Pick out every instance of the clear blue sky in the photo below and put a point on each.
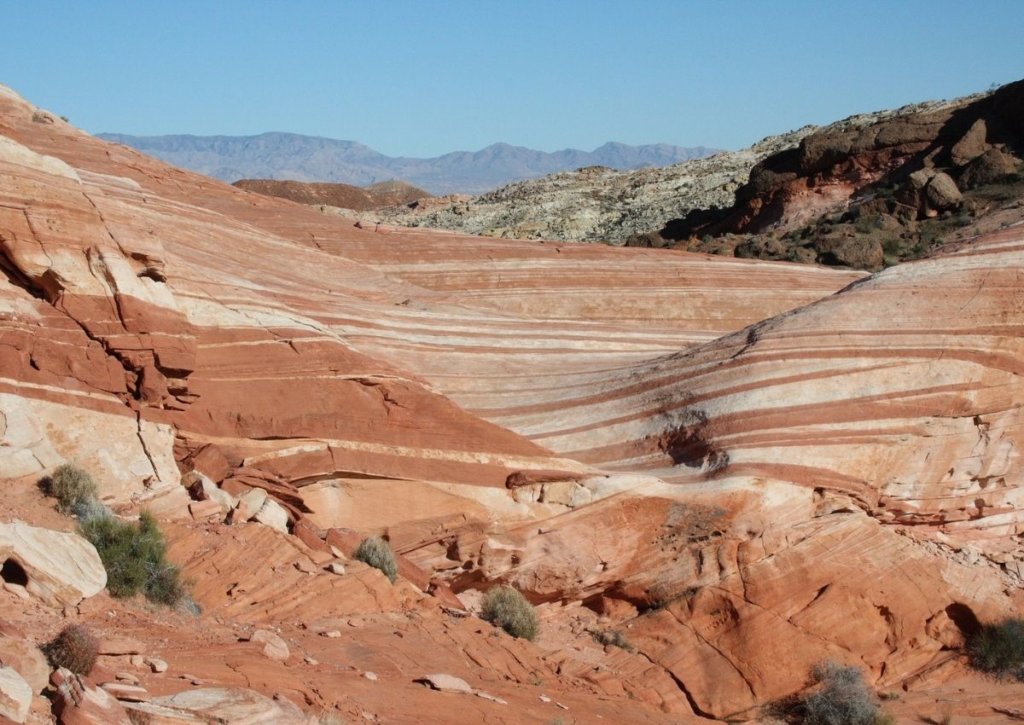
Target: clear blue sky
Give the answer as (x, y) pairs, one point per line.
(423, 78)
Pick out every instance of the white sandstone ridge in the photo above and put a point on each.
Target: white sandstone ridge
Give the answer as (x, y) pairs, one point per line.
(598, 204)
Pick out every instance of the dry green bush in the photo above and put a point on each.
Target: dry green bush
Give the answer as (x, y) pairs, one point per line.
(842, 698)
(74, 648)
(612, 637)
(135, 557)
(73, 488)
(508, 609)
(998, 649)
(377, 553)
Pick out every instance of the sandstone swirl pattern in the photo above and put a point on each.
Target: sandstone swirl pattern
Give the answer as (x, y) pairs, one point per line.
(725, 456)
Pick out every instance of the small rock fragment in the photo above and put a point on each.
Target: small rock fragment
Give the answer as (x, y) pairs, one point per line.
(157, 665)
(445, 683)
(124, 691)
(274, 647)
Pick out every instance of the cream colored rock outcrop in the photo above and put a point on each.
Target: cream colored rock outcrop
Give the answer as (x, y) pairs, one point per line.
(61, 568)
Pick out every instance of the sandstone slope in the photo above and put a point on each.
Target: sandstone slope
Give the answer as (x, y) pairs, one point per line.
(721, 459)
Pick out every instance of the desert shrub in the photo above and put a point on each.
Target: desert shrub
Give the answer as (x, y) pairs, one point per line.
(74, 648)
(999, 649)
(508, 609)
(842, 698)
(73, 488)
(134, 555)
(612, 637)
(377, 553)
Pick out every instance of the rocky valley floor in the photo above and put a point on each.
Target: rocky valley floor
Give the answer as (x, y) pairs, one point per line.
(708, 474)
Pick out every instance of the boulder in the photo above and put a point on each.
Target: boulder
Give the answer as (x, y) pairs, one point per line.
(445, 683)
(58, 567)
(220, 704)
(972, 145)
(15, 695)
(202, 488)
(25, 657)
(273, 514)
(920, 178)
(78, 703)
(528, 478)
(274, 647)
(988, 168)
(252, 500)
(942, 192)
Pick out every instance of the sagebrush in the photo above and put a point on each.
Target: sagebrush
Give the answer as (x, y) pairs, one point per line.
(377, 553)
(613, 638)
(74, 647)
(135, 557)
(842, 698)
(510, 610)
(73, 488)
(998, 649)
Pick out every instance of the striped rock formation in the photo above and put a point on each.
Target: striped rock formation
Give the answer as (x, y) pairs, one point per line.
(722, 458)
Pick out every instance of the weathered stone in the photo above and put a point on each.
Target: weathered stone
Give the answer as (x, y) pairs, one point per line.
(252, 501)
(206, 510)
(202, 488)
(59, 568)
(24, 657)
(221, 705)
(78, 703)
(971, 145)
(15, 695)
(445, 683)
(272, 514)
(126, 692)
(942, 192)
(274, 647)
(156, 664)
(988, 168)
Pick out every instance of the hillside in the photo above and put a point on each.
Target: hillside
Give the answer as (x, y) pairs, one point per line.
(603, 205)
(346, 196)
(592, 204)
(707, 474)
(871, 192)
(310, 158)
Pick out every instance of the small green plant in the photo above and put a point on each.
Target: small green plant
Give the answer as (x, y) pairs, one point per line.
(377, 553)
(508, 609)
(842, 698)
(999, 649)
(73, 488)
(74, 648)
(135, 557)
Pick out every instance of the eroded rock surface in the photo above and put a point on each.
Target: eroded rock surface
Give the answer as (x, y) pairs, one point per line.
(730, 462)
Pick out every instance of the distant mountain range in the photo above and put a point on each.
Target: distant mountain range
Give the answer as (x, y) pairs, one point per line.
(311, 158)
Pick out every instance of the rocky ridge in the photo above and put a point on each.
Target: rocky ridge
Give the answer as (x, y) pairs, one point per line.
(732, 463)
(868, 195)
(359, 198)
(603, 205)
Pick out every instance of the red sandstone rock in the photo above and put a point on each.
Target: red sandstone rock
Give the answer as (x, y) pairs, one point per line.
(834, 481)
